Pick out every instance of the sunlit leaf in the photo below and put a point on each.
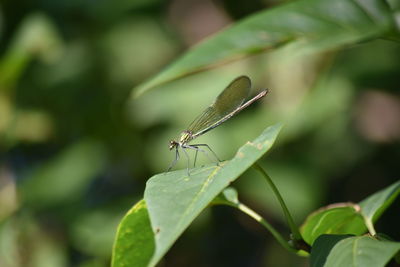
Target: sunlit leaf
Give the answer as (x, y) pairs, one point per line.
(175, 199)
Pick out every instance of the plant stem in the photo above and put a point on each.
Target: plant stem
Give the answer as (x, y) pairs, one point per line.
(289, 220)
(263, 222)
(370, 227)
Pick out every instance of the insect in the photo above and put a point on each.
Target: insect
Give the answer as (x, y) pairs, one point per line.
(227, 104)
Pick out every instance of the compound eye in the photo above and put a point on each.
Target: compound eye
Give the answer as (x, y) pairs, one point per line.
(172, 144)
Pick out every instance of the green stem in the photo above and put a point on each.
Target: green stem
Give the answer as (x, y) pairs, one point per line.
(263, 222)
(289, 220)
(370, 227)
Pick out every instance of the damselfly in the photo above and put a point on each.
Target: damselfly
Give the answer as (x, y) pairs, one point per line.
(228, 103)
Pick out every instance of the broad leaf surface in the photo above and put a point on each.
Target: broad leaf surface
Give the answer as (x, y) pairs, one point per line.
(174, 199)
(304, 26)
(359, 251)
(321, 248)
(336, 219)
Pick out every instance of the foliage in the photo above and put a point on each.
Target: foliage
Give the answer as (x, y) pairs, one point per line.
(173, 200)
(77, 144)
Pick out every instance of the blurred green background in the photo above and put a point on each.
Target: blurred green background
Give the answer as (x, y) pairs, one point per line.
(76, 148)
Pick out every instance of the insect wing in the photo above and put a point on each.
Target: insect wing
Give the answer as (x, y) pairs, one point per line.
(232, 96)
(227, 101)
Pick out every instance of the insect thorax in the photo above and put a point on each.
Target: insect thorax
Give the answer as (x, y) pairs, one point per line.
(186, 137)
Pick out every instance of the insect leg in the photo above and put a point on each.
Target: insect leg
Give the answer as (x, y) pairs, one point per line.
(209, 148)
(188, 159)
(175, 160)
(195, 158)
(195, 147)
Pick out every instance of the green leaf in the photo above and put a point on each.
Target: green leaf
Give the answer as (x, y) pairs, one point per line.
(134, 244)
(361, 251)
(321, 248)
(305, 26)
(335, 219)
(349, 218)
(174, 199)
(227, 197)
(373, 206)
